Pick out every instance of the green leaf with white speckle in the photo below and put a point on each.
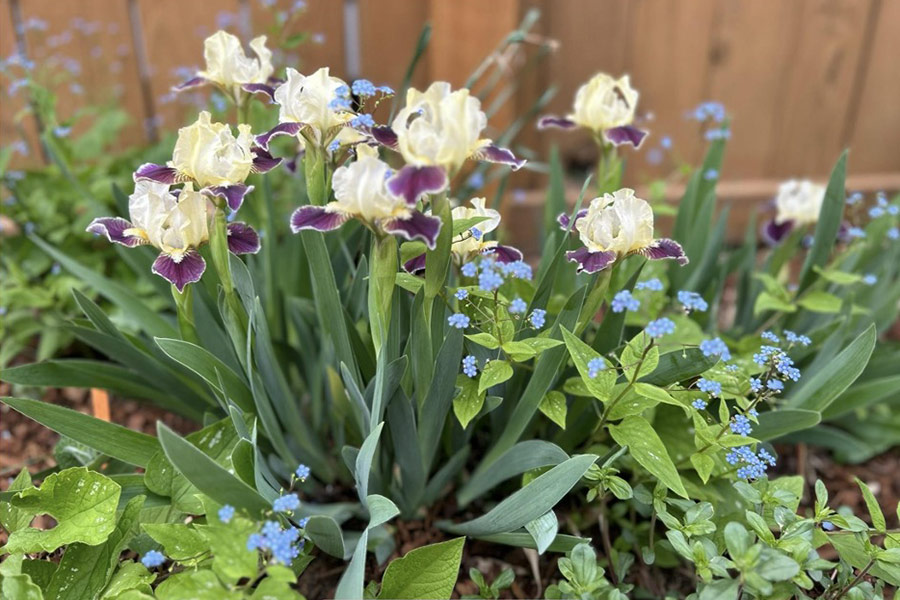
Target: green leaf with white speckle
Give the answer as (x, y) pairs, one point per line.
(648, 450)
(83, 503)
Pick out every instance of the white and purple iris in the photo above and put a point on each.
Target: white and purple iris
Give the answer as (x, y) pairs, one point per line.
(210, 155)
(797, 204)
(606, 106)
(231, 70)
(615, 226)
(435, 133)
(177, 223)
(361, 191)
(472, 243)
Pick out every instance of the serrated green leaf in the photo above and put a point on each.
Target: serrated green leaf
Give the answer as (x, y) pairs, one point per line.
(648, 450)
(429, 572)
(494, 373)
(83, 503)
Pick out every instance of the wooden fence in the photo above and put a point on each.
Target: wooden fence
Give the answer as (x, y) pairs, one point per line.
(801, 79)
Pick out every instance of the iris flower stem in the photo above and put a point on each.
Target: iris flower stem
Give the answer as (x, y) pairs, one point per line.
(382, 276)
(237, 317)
(609, 172)
(437, 261)
(184, 306)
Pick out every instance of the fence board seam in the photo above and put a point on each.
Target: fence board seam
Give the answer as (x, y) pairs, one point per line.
(140, 57)
(862, 72)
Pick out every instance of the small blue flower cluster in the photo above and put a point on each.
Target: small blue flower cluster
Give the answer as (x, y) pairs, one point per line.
(362, 121)
(363, 87)
(769, 336)
(470, 366)
(717, 134)
(226, 513)
(654, 285)
(302, 472)
(491, 273)
(692, 301)
(709, 110)
(595, 365)
(461, 294)
(537, 318)
(287, 503)
(856, 232)
(699, 403)
(713, 388)
(458, 320)
(776, 385)
(793, 338)
(894, 233)
(755, 385)
(282, 543)
(752, 466)
(623, 301)
(660, 327)
(870, 279)
(153, 559)
(740, 425)
(715, 347)
(517, 306)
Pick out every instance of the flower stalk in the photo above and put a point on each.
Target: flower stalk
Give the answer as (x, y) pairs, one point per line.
(184, 308)
(382, 276)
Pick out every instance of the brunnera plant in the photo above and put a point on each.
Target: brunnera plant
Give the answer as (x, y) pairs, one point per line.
(362, 333)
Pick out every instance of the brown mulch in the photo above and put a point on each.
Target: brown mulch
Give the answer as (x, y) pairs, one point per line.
(25, 443)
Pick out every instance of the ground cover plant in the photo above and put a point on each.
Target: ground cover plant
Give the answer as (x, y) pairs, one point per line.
(362, 349)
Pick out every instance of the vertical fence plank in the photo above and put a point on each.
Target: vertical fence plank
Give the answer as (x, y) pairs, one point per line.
(817, 91)
(875, 137)
(324, 20)
(668, 45)
(174, 31)
(591, 39)
(748, 81)
(16, 124)
(89, 41)
(389, 30)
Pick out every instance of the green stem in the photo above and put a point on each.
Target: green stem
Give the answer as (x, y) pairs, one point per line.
(437, 261)
(184, 305)
(236, 320)
(609, 168)
(382, 276)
